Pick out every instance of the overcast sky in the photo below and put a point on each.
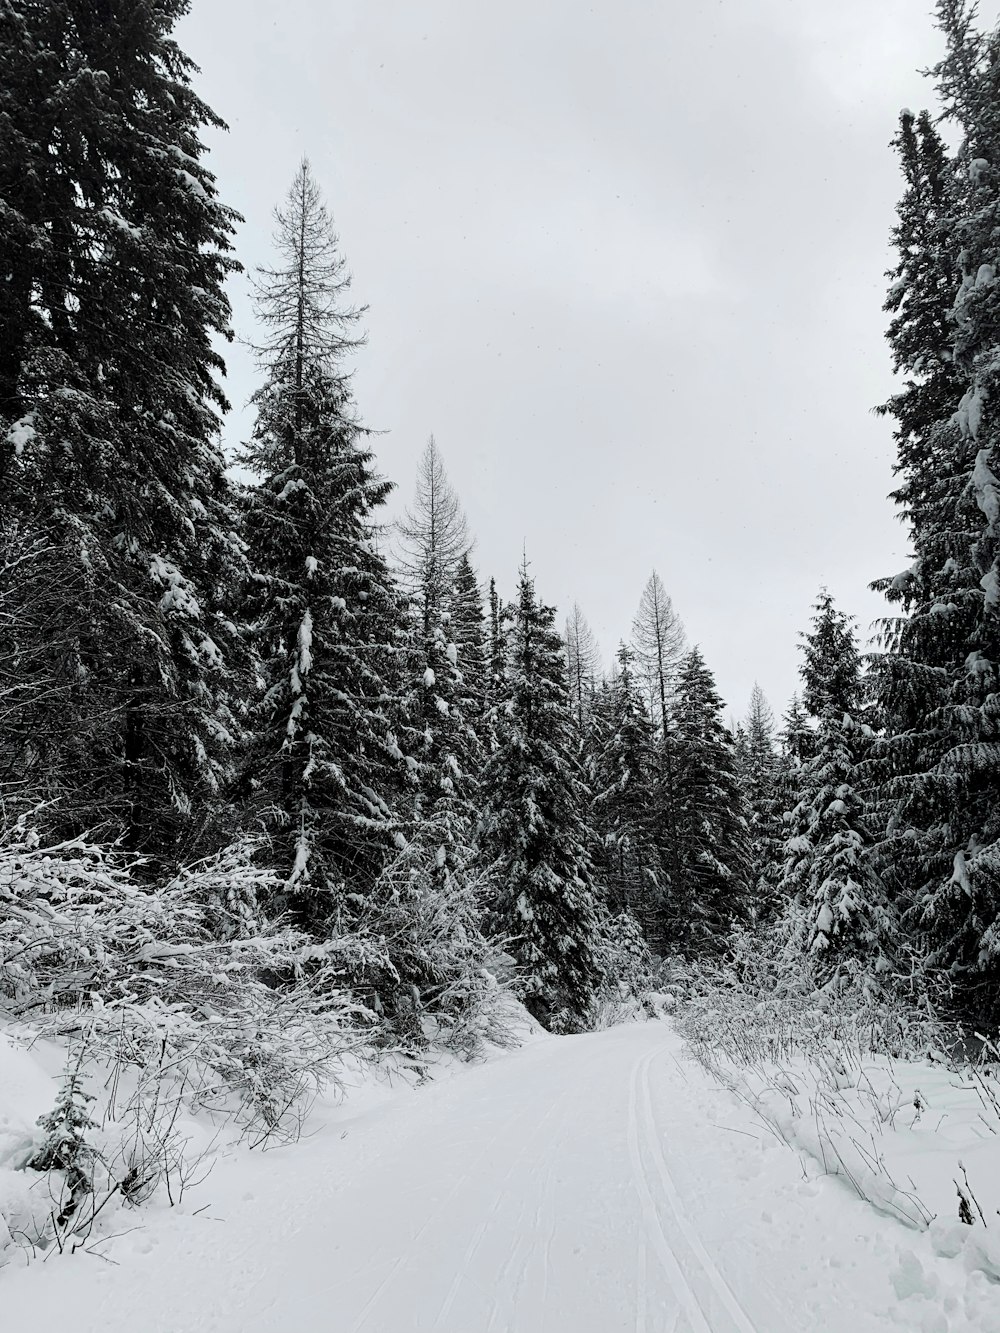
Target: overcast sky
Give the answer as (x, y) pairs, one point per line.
(625, 261)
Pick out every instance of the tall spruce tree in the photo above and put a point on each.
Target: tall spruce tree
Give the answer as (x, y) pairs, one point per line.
(534, 838)
(936, 682)
(624, 804)
(758, 766)
(711, 892)
(115, 251)
(838, 911)
(438, 709)
(469, 636)
(321, 606)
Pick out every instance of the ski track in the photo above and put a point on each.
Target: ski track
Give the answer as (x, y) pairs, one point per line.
(682, 1289)
(741, 1322)
(555, 1189)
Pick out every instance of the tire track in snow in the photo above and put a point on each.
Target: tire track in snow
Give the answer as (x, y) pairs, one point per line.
(682, 1289)
(740, 1319)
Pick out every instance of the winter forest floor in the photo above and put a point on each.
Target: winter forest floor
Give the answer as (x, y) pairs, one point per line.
(574, 1185)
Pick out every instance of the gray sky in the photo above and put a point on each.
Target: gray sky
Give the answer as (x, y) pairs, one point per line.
(625, 261)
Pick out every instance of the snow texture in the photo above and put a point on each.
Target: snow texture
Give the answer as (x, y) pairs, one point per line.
(583, 1185)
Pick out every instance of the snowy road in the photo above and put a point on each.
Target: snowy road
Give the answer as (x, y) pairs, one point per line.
(583, 1185)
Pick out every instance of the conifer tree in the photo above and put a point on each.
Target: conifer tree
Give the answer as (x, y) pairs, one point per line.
(797, 737)
(758, 766)
(711, 892)
(322, 609)
(468, 626)
(838, 910)
(534, 839)
(658, 641)
(496, 646)
(115, 251)
(583, 663)
(935, 685)
(434, 537)
(625, 783)
(438, 709)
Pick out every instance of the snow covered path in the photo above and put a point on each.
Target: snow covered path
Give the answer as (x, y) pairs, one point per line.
(580, 1185)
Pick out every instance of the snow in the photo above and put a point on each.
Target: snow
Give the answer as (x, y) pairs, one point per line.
(178, 596)
(21, 433)
(985, 487)
(990, 584)
(305, 638)
(586, 1184)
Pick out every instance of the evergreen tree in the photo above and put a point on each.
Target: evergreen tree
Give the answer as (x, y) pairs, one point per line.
(797, 738)
(625, 783)
(935, 685)
(321, 605)
(469, 631)
(831, 678)
(116, 249)
(758, 767)
(534, 838)
(711, 892)
(838, 909)
(496, 660)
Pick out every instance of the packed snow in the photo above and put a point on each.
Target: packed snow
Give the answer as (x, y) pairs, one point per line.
(587, 1184)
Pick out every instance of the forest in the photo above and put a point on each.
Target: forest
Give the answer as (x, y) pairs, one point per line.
(280, 778)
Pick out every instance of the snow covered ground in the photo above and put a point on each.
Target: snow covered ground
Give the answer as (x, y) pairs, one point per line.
(576, 1185)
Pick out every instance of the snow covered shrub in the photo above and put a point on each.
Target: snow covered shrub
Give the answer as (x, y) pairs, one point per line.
(763, 1002)
(815, 1065)
(252, 1022)
(626, 966)
(432, 976)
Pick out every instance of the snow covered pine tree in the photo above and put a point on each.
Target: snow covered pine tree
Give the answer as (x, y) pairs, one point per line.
(115, 251)
(322, 611)
(534, 839)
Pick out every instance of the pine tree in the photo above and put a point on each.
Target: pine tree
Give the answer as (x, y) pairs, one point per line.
(758, 767)
(658, 641)
(321, 606)
(624, 799)
(583, 664)
(831, 679)
(935, 685)
(838, 910)
(711, 892)
(116, 249)
(468, 626)
(435, 545)
(496, 647)
(534, 839)
(434, 538)
(797, 737)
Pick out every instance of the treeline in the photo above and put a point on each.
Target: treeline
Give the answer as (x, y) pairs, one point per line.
(331, 727)
(199, 675)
